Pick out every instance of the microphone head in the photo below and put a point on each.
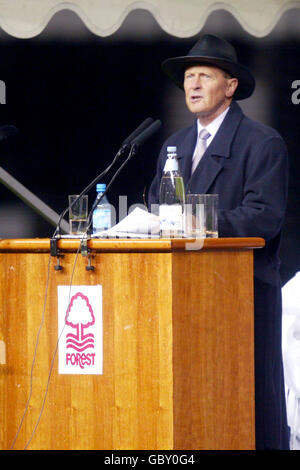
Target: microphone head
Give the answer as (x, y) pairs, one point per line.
(147, 133)
(137, 131)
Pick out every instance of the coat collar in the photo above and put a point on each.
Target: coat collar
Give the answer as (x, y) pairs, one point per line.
(185, 152)
(221, 144)
(209, 166)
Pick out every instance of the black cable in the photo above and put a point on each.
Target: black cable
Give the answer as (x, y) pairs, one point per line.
(98, 200)
(34, 358)
(53, 359)
(85, 190)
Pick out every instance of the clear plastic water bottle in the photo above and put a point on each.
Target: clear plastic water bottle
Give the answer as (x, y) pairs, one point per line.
(102, 212)
(171, 198)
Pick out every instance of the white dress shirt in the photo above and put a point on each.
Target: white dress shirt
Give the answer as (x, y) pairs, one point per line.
(212, 127)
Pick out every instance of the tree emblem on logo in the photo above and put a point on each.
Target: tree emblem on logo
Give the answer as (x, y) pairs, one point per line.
(80, 316)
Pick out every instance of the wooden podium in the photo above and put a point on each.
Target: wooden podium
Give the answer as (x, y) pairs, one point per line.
(178, 346)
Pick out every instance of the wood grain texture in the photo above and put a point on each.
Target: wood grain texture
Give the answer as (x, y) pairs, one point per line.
(130, 405)
(38, 245)
(213, 353)
(178, 351)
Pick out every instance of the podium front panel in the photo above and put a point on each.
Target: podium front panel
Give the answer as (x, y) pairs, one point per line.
(178, 361)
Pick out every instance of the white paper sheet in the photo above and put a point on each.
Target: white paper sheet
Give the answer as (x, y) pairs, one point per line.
(138, 224)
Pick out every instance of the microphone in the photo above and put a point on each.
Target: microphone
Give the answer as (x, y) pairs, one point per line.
(136, 142)
(126, 143)
(146, 134)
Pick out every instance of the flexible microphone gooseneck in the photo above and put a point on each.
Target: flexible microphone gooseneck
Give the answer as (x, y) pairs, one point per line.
(128, 141)
(126, 145)
(135, 144)
(146, 134)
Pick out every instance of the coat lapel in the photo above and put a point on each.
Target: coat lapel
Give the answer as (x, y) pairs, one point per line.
(185, 152)
(213, 160)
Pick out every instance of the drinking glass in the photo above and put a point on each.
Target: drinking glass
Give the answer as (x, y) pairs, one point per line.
(78, 214)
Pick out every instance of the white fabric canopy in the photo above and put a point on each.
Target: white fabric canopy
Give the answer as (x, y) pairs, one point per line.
(181, 18)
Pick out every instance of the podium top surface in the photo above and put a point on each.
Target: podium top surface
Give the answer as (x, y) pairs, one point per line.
(42, 245)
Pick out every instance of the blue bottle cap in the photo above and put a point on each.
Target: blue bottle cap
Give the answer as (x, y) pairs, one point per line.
(101, 187)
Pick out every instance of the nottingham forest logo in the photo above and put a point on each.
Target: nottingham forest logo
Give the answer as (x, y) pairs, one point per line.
(80, 316)
(80, 329)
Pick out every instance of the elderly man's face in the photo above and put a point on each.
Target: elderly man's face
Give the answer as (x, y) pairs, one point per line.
(208, 91)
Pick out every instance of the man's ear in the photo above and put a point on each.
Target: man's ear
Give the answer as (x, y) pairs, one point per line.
(231, 87)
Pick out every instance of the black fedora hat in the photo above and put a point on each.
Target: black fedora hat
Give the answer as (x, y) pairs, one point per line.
(214, 51)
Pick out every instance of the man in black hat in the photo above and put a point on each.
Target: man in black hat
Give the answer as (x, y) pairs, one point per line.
(246, 163)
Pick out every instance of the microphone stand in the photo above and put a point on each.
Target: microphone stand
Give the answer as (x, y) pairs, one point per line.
(146, 133)
(126, 144)
(136, 142)
(54, 251)
(133, 151)
(85, 190)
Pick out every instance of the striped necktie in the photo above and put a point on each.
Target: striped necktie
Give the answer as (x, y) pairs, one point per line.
(200, 148)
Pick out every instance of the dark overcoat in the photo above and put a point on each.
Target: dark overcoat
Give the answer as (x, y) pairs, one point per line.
(247, 165)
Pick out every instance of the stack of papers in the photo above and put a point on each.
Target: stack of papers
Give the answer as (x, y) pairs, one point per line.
(138, 224)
